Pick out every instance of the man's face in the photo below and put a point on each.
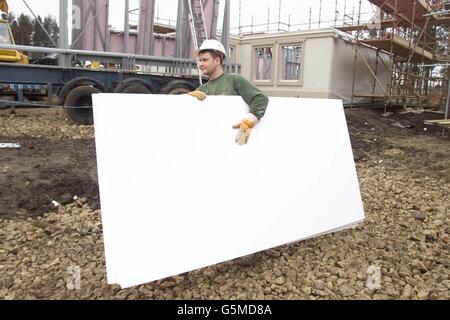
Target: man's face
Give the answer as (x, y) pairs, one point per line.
(208, 65)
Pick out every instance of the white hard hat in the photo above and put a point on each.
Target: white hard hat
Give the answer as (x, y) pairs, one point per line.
(213, 45)
(87, 63)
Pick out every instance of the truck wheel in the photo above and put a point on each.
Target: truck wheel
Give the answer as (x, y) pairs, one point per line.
(178, 87)
(78, 104)
(134, 85)
(79, 81)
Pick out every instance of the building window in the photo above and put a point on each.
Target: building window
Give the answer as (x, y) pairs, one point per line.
(264, 63)
(291, 62)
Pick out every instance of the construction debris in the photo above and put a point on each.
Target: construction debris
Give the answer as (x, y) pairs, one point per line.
(399, 125)
(412, 110)
(442, 123)
(10, 146)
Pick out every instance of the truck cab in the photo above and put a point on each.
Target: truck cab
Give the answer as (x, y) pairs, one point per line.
(6, 37)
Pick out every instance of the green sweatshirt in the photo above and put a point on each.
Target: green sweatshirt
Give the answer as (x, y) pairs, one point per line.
(231, 84)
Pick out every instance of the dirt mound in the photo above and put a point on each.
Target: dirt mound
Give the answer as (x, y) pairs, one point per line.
(42, 171)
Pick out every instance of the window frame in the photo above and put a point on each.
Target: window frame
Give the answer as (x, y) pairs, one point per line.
(255, 67)
(285, 82)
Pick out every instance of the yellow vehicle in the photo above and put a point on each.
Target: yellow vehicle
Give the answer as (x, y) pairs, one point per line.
(6, 37)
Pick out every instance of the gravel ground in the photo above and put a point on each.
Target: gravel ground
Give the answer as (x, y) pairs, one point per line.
(405, 183)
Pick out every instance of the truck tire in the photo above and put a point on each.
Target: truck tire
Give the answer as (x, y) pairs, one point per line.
(78, 104)
(80, 81)
(178, 87)
(134, 85)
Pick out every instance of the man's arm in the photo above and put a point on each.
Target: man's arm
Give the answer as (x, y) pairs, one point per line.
(257, 102)
(255, 99)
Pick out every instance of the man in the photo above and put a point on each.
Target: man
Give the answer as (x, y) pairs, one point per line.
(212, 55)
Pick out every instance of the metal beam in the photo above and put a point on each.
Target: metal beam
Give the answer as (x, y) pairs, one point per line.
(183, 34)
(146, 25)
(78, 29)
(126, 37)
(91, 28)
(211, 12)
(64, 60)
(226, 29)
(96, 54)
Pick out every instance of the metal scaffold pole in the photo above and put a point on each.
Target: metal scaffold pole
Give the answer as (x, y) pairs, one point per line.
(226, 29)
(64, 60)
(126, 27)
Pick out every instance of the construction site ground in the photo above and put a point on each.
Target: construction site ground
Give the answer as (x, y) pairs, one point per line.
(404, 172)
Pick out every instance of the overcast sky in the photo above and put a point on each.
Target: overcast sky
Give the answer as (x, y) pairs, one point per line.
(299, 10)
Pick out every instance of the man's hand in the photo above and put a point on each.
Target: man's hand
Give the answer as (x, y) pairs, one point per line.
(200, 95)
(245, 126)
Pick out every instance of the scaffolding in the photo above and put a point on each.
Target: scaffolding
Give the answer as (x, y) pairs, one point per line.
(415, 35)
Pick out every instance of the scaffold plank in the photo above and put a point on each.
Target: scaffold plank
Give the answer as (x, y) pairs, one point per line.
(384, 24)
(440, 123)
(401, 48)
(405, 8)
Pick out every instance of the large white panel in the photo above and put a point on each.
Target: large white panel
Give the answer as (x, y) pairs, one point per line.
(177, 193)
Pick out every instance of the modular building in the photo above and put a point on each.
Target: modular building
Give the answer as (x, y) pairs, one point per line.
(313, 64)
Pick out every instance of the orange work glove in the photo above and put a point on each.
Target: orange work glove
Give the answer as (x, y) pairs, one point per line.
(4, 6)
(245, 126)
(200, 95)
